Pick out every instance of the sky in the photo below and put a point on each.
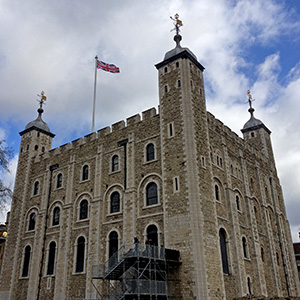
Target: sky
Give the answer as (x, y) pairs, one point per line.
(51, 46)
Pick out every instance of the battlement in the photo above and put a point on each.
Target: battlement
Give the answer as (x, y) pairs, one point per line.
(102, 133)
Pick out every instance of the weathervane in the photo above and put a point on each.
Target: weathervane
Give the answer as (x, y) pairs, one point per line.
(250, 100)
(43, 99)
(177, 23)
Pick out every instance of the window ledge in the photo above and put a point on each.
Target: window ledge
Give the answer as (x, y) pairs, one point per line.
(150, 206)
(150, 161)
(114, 172)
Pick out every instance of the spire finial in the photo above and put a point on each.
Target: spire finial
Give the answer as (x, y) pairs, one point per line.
(41, 101)
(250, 100)
(177, 23)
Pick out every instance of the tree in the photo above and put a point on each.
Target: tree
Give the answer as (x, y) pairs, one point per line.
(5, 191)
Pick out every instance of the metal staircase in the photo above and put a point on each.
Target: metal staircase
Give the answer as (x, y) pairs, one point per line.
(137, 271)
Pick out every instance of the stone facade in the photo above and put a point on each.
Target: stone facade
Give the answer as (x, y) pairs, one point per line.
(204, 191)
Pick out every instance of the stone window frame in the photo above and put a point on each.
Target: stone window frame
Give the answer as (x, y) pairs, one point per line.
(23, 262)
(171, 129)
(245, 248)
(80, 208)
(145, 194)
(88, 173)
(54, 206)
(118, 169)
(146, 161)
(176, 184)
(107, 241)
(59, 181)
(110, 212)
(227, 245)
(36, 188)
(75, 272)
(159, 232)
(28, 214)
(47, 259)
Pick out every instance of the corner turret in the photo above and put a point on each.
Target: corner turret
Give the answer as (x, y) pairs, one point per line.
(37, 137)
(256, 132)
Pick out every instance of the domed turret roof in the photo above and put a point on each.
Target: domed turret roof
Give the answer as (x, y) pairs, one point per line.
(254, 123)
(38, 123)
(178, 49)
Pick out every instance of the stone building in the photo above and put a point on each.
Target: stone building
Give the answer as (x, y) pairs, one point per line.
(178, 179)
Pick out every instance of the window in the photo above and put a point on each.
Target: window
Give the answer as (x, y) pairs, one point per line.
(85, 172)
(150, 154)
(179, 83)
(51, 258)
(31, 224)
(113, 244)
(59, 181)
(249, 285)
(115, 202)
(83, 212)
(170, 130)
(166, 88)
(36, 188)
(262, 255)
(26, 261)
(245, 248)
(80, 255)
(177, 64)
(237, 200)
(166, 69)
(115, 163)
(56, 215)
(223, 246)
(152, 235)
(175, 184)
(151, 194)
(217, 192)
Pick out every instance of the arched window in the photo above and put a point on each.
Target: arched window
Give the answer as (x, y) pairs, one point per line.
(80, 255)
(115, 202)
(36, 188)
(115, 163)
(31, 223)
(83, 210)
(262, 255)
(224, 255)
(51, 258)
(151, 194)
(150, 152)
(113, 243)
(249, 285)
(85, 172)
(245, 248)
(59, 181)
(237, 200)
(217, 192)
(152, 235)
(26, 261)
(56, 215)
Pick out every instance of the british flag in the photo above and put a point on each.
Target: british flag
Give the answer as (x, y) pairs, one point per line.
(107, 67)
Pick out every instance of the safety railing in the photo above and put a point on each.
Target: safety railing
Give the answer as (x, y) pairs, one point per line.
(128, 251)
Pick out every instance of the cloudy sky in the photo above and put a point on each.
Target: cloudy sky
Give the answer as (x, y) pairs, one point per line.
(51, 45)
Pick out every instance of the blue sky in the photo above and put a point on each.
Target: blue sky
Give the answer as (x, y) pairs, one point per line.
(51, 45)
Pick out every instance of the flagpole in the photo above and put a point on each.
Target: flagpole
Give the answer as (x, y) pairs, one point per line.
(94, 103)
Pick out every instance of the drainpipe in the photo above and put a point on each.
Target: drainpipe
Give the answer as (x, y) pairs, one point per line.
(124, 144)
(51, 168)
(280, 238)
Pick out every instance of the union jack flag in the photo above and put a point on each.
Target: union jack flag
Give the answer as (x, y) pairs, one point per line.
(107, 67)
